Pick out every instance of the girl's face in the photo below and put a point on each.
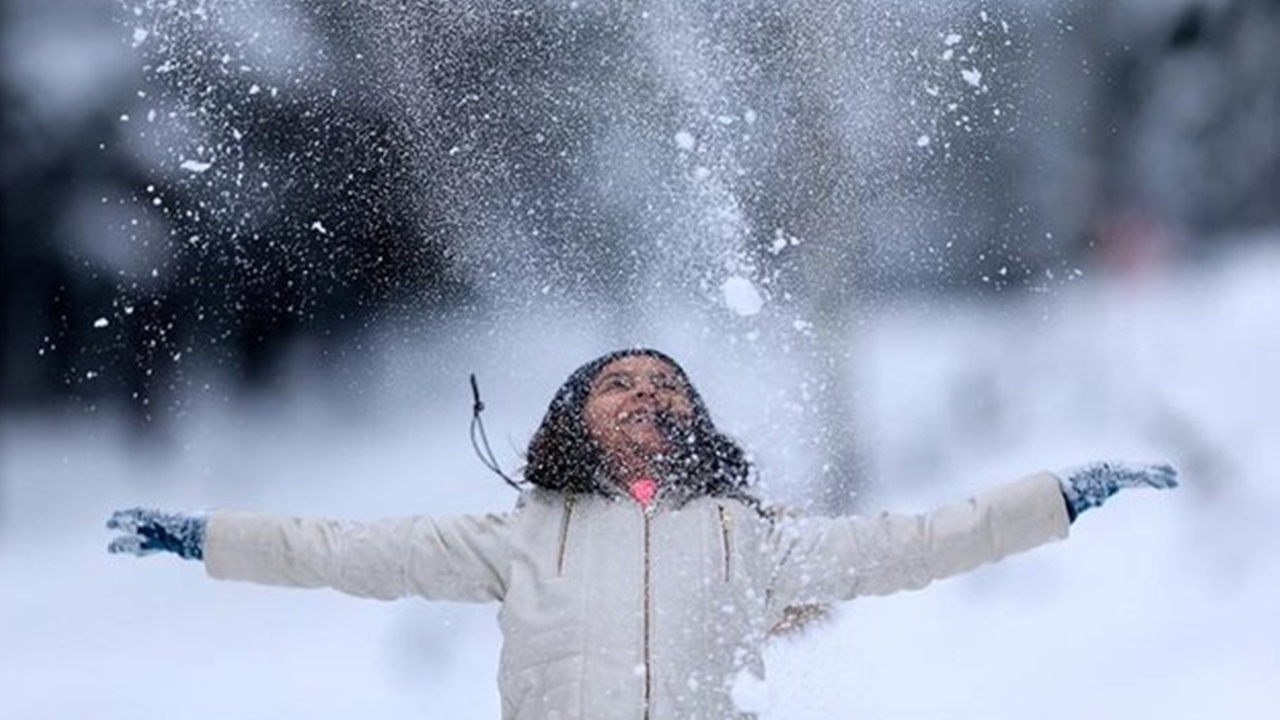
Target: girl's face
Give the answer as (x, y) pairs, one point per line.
(629, 403)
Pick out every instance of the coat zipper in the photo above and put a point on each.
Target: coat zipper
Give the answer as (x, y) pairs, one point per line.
(564, 534)
(726, 538)
(648, 670)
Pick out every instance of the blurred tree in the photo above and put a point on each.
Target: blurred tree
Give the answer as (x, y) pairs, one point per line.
(1186, 147)
(218, 224)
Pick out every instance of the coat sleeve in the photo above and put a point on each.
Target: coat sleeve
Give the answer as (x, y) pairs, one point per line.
(460, 558)
(819, 560)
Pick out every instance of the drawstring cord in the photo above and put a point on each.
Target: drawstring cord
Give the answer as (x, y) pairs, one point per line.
(477, 427)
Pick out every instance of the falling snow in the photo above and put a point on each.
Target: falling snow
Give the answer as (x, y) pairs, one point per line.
(409, 191)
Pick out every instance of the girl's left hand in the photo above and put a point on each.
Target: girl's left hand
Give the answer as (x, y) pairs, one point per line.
(1089, 485)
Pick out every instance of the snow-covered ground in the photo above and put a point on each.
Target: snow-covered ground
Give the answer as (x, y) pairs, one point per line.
(1159, 605)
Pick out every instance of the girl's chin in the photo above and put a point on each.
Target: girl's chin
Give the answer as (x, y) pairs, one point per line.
(652, 442)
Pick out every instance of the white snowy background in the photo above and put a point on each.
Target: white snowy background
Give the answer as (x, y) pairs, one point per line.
(1159, 605)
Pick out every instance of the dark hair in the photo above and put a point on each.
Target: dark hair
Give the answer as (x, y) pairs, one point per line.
(563, 457)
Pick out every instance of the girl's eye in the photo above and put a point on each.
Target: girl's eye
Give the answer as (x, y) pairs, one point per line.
(617, 382)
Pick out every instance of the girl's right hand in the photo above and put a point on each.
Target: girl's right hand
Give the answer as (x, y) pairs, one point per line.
(151, 531)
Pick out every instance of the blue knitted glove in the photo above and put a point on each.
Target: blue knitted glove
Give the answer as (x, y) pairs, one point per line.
(1089, 485)
(152, 531)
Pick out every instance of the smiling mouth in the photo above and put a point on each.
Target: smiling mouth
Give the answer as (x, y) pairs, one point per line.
(638, 417)
(665, 422)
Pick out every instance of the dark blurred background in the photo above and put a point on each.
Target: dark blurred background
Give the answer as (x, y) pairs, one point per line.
(190, 189)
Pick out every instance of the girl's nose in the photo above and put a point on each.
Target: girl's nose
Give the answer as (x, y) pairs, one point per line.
(646, 386)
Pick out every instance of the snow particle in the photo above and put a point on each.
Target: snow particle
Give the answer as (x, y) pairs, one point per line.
(923, 141)
(973, 77)
(741, 296)
(195, 166)
(101, 323)
(684, 140)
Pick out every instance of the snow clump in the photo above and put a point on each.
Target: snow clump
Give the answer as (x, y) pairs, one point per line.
(741, 296)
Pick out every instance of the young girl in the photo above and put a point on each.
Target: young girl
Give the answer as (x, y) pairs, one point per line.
(638, 575)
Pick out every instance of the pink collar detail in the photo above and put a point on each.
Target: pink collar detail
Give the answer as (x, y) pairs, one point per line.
(643, 490)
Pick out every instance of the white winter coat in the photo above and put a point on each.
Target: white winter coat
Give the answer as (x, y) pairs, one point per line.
(611, 611)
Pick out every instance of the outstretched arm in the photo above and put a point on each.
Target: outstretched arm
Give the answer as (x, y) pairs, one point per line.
(459, 558)
(828, 559)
